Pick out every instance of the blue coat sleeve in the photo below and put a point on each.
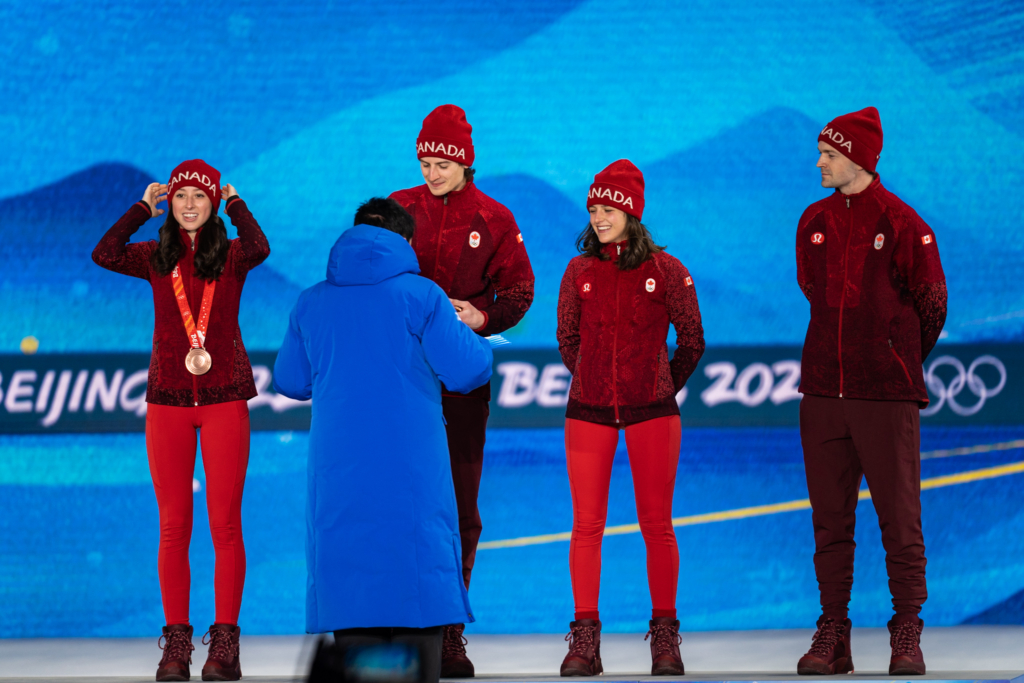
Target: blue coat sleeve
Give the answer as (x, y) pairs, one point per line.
(460, 357)
(293, 375)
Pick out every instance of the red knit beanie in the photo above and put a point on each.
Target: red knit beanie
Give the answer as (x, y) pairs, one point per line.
(857, 136)
(199, 174)
(446, 134)
(620, 185)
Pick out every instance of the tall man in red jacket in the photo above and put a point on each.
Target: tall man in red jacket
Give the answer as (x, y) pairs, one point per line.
(870, 268)
(470, 246)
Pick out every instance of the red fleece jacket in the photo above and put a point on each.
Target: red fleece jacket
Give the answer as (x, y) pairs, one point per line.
(612, 328)
(470, 245)
(230, 377)
(870, 268)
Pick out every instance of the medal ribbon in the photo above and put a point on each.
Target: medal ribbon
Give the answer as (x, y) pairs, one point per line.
(196, 334)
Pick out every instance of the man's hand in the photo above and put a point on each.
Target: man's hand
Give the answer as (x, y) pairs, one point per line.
(156, 192)
(469, 314)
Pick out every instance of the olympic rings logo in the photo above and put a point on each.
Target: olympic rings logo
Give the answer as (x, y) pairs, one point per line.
(964, 378)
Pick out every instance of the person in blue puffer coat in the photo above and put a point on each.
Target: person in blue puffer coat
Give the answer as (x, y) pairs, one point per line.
(371, 346)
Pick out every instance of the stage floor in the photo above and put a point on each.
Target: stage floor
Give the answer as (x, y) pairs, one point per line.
(958, 653)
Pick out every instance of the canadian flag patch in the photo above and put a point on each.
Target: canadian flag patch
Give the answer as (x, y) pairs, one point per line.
(474, 239)
(817, 238)
(926, 239)
(879, 240)
(519, 238)
(650, 284)
(689, 281)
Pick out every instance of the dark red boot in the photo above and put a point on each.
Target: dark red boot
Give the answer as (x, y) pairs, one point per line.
(176, 642)
(905, 641)
(454, 660)
(830, 652)
(665, 640)
(222, 663)
(584, 658)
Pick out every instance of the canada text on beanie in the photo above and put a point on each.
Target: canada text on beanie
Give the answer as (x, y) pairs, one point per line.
(446, 134)
(857, 136)
(620, 185)
(199, 174)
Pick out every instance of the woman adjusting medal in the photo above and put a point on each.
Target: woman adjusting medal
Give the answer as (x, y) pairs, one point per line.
(199, 379)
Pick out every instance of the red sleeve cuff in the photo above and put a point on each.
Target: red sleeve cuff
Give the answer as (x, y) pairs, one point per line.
(487, 319)
(231, 201)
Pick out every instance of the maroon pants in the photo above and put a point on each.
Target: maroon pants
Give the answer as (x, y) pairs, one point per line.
(466, 424)
(844, 440)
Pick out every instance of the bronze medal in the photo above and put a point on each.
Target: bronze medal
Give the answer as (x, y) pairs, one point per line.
(198, 361)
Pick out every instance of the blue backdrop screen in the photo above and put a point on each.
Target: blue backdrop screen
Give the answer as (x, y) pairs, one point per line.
(310, 108)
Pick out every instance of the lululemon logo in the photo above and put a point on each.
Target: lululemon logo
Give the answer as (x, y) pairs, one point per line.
(689, 281)
(586, 287)
(879, 240)
(926, 239)
(650, 284)
(817, 238)
(474, 239)
(449, 151)
(838, 139)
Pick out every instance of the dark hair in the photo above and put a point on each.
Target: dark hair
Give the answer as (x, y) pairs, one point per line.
(640, 245)
(211, 248)
(470, 172)
(387, 214)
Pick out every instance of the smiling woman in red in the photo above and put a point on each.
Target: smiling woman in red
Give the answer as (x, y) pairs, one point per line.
(199, 378)
(615, 306)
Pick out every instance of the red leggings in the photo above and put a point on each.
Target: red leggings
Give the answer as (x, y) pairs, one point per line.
(653, 448)
(171, 444)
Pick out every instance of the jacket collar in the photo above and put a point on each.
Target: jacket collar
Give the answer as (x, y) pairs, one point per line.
(612, 249)
(861, 197)
(468, 190)
(186, 241)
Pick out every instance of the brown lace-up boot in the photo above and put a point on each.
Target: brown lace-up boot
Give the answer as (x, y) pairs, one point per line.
(665, 640)
(222, 663)
(905, 641)
(584, 658)
(830, 652)
(176, 642)
(454, 661)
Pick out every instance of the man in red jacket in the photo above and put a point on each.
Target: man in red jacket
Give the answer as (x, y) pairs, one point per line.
(870, 268)
(470, 246)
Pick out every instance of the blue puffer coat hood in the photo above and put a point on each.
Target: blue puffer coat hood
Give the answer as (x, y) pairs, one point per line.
(367, 255)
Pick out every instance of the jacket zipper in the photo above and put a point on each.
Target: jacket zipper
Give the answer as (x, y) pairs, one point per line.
(842, 301)
(615, 341)
(192, 291)
(440, 232)
(902, 364)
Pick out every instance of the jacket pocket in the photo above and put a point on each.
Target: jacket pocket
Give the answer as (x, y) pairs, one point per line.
(900, 361)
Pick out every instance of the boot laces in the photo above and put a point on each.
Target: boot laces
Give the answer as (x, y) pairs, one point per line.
(177, 645)
(905, 639)
(581, 640)
(826, 637)
(665, 638)
(454, 643)
(223, 647)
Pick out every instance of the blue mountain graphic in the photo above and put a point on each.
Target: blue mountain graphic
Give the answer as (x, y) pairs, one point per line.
(68, 302)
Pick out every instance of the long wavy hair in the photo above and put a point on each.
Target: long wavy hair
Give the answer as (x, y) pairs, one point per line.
(211, 248)
(640, 245)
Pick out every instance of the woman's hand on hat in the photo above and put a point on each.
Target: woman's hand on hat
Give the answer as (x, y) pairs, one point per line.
(227, 191)
(155, 193)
